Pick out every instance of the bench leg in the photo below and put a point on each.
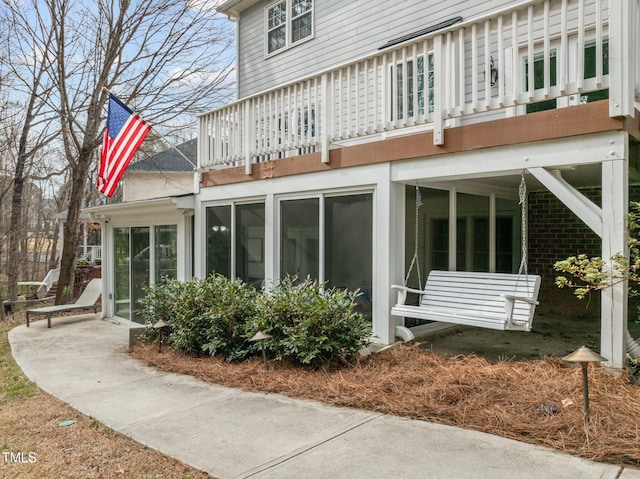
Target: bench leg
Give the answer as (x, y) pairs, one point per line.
(27, 319)
(48, 321)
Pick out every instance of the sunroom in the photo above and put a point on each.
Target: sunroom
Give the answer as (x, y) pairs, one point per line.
(143, 242)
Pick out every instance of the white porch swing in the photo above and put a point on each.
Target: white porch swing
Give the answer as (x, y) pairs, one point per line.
(500, 301)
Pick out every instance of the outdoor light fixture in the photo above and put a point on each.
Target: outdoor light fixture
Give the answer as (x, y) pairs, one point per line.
(260, 336)
(161, 326)
(584, 356)
(493, 72)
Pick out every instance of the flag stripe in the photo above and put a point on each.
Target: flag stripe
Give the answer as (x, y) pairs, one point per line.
(123, 155)
(120, 146)
(126, 143)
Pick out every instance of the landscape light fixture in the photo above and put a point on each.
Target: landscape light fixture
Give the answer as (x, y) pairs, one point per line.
(161, 326)
(584, 356)
(260, 336)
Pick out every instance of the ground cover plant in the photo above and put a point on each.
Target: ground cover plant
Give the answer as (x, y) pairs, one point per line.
(36, 446)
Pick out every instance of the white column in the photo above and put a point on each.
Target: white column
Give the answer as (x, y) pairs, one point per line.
(199, 232)
(106, 240)
(615, 200)
(388, 231)
(61, 223)
(271, 228)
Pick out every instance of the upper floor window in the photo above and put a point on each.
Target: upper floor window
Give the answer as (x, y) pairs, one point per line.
(288, 22)
(538, 79)
(589, 71)
(416, 77)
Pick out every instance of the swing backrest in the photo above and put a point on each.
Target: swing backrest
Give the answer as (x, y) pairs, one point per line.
(480, 295)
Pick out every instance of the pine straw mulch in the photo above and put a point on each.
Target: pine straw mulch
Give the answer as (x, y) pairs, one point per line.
(534, 401)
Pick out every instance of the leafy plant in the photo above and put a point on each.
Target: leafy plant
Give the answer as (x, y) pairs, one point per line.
(594, 274)
(307, 322)
(310, 323)
(208, 316)
(160, 304)
(587, 274)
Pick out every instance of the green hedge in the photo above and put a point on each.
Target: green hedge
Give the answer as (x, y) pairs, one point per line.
(307, 322)
(311, 324)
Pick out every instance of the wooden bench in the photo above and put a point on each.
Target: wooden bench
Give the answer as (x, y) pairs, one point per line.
(485, 300)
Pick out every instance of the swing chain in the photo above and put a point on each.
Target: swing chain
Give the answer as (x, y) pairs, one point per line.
(415, 261)
(522, 193)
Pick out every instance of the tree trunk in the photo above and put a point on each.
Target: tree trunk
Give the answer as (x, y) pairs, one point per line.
(15, 228)
(72, 225)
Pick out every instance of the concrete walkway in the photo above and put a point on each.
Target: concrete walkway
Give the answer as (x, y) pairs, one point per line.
(232, 433)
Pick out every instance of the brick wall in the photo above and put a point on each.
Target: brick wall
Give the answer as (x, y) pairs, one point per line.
(555, 233)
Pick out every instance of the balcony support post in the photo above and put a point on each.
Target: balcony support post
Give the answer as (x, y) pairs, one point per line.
(614, 309)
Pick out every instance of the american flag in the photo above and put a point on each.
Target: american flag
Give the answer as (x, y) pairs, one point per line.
(124, 134)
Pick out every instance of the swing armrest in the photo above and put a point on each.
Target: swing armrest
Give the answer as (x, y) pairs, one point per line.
(403, 290)
(512, 298)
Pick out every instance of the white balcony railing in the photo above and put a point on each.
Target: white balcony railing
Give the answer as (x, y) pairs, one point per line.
(537, 50)
(90, 252)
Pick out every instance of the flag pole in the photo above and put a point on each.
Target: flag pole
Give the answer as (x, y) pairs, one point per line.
(195, 167)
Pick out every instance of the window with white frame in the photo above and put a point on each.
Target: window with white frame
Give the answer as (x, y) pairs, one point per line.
(538, 79)
(330, 238)
(235, 241)
(416, 78)
(288, 23)
(588, 71)
(590, 55)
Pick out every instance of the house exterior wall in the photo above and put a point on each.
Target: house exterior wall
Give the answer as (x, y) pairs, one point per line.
(554, 234)
(332, 113)
(143, 186)
(342, 31)
(387, 181)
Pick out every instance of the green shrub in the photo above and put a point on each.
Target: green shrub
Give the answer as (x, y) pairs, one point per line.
(231, 315)
(215, 315)
(311, 324)
(159, 302)
(208, 316)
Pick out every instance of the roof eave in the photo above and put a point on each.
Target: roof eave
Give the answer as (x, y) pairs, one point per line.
(233, 8)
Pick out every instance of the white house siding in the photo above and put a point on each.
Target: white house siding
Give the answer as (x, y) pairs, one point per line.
(142, 186)
(342, 31)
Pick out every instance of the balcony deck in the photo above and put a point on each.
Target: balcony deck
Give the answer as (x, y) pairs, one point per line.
(547, 125)
(469, 72)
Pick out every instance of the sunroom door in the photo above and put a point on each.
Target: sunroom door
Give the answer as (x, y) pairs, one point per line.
(142, 256)
(121, 261)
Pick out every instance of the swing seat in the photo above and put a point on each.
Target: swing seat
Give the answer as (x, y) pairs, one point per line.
(485, 300)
